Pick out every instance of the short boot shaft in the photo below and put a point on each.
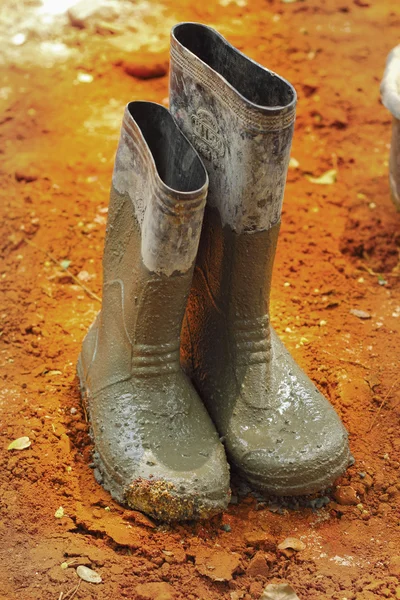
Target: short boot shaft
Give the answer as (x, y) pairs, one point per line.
(279, 431)
(156, 448)
(156, 209)
(217, 93)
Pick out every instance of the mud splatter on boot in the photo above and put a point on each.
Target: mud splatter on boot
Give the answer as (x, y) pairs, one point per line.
(157, 449)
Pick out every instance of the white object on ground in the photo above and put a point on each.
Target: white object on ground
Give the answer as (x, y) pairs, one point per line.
(88, 574)
(390, 92)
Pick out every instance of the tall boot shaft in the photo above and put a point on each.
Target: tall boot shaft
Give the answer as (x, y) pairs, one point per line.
(240, 117)
(157, 201)
(279, 431)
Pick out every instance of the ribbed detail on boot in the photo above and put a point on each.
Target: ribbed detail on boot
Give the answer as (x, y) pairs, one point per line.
(252, 339)
(151, 361)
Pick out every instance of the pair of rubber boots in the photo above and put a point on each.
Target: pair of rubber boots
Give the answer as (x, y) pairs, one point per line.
(187, 279)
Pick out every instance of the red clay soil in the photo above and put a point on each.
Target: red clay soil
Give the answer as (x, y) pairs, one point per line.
(338, 252)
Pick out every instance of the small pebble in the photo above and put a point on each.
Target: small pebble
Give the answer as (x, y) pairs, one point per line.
(346, 495)
(292, 543)
(361, 314)
(85, 78)
(18, 39)
(394, 566)
(226, 527)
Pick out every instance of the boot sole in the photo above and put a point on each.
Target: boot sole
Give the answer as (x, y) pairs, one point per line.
(301, 489)
(158, 499)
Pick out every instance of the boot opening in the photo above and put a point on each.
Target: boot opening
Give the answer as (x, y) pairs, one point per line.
(252, 81)
(177, 162)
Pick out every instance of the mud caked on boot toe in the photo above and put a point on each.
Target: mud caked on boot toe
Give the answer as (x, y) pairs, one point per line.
(279, 431)
(155, 445)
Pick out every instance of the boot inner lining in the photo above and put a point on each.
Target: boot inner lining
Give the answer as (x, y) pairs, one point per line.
(253, 82)
(177, 163)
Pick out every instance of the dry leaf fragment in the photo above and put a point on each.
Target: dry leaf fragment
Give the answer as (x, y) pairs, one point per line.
(88, 574)
(292, 543)
(59, 513)
(20, 444)
(279, 591)
(327, 178)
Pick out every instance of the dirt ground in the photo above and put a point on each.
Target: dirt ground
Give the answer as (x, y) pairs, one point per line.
(62, 92)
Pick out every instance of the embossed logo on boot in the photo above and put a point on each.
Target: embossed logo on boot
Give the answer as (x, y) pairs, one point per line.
(207, 138)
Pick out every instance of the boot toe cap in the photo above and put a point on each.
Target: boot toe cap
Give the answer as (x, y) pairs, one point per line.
(292, 471)
(169, 466)
(169, 495)
(300, 445)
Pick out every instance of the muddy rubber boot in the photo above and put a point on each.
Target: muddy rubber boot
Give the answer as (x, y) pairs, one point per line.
(390, 92)
(156, 447)
(279, 431)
